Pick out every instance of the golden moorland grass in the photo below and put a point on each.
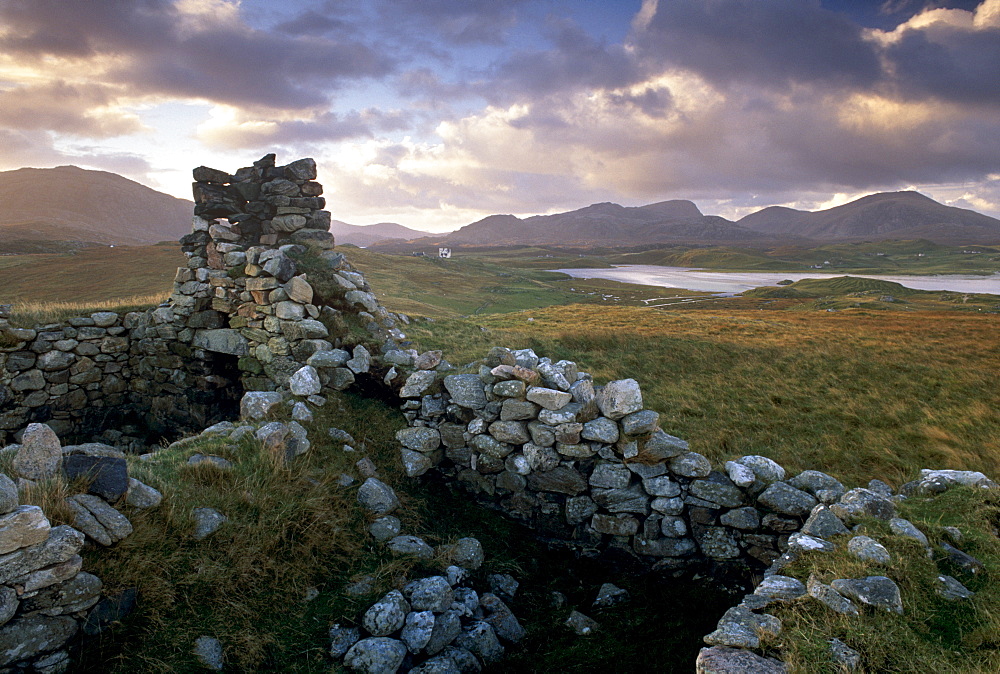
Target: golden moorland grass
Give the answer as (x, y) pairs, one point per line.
(859, 395)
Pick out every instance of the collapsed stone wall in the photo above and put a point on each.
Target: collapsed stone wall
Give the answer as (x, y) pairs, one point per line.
(241, 316)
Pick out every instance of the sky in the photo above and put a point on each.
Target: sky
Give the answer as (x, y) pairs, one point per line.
(436, 113)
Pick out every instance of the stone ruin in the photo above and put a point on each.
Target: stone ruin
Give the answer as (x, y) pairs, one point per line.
(586, 467)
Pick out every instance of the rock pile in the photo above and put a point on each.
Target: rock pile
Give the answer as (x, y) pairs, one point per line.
(436, 624)
(741, 630)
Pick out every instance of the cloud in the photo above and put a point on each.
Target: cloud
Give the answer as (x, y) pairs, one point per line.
(770, 43)
(231, 128)
(82, 109)
(199, 49)
(459, 22)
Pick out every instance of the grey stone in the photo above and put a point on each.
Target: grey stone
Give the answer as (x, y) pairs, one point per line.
(420, 438)
(341, 640)
(480, 639)
(725, 660)
(799, 542)
(576, 451)
(417, 630)
(386, 615)
(610, 595)
(968, 478)
(690, 464)
(385, 528)
(24, 526)
(560, 480)
(823, 523)
(305, 382)
(640, 423)
(8, 604)
(468, 553)
(906, 528)
(540, 458)
(74, 594)
(302, 413)
(466, 390)
(510, 389)
(417, 383)
(550, 399)
(814, 481)
(88, 524)
(377, 497)
(785, 499)
(630, 500)
(328, 358)
(116, 524)
(54, 360)
(376, 655)
(30, 636)
(499, 616)
(107, 476)
(963, 560)
(766, 470)
(845, 656)
(661, 446)
(466, 601)
(673, 526)
(359, 297)
(745, 519)
(341, 378)
(734, 635)
(780, 587)
(602, 430)
(830, 597)
(717, 543)
(741, 475)
(517, 410)
(868, 549)
(877, 591)
(503, 585)
(952, 590)
(411, 546)
(440, 664)
(619, 398)
(859, 503)
(8, 494)
(222, 340)
(610, 476)
(257, 405)
(429, 594)
(665, 547)
(615, 525)
(206, 522)
(717, 489)
(447, 626)
(661, 486)
(212, 460)
(512, 432)
(579, 509)
(361, 362)
(40, 454)
(490, 446)
(415, 464)
(581, 624)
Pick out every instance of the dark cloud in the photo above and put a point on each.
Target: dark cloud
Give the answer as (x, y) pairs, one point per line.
(773, 43)
(460, 22)
(216, 60)
(576, 61)
(946, 62)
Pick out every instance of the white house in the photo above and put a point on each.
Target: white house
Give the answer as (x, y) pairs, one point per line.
(444, 252)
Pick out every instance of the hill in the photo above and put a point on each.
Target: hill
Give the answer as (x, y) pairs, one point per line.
(602, 224)
(48, 207)
(366, 235)
(887, 215)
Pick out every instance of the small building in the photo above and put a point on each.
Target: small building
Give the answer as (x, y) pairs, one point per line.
(444, 253)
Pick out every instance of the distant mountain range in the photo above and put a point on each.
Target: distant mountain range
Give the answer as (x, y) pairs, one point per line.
(889, 215)
(70, 204)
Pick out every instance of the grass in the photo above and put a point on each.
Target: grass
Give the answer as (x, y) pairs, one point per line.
(90, 275)
(932, 635)
(855, 394)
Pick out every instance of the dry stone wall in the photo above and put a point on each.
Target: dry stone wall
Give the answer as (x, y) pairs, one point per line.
(241, 316)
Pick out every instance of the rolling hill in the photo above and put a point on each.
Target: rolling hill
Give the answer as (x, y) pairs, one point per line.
(887, 215)
(46, 207)
(366, 235)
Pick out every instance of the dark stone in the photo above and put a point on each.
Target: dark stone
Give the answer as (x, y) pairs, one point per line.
(561, 480)
(109, 475)
(110, 610)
